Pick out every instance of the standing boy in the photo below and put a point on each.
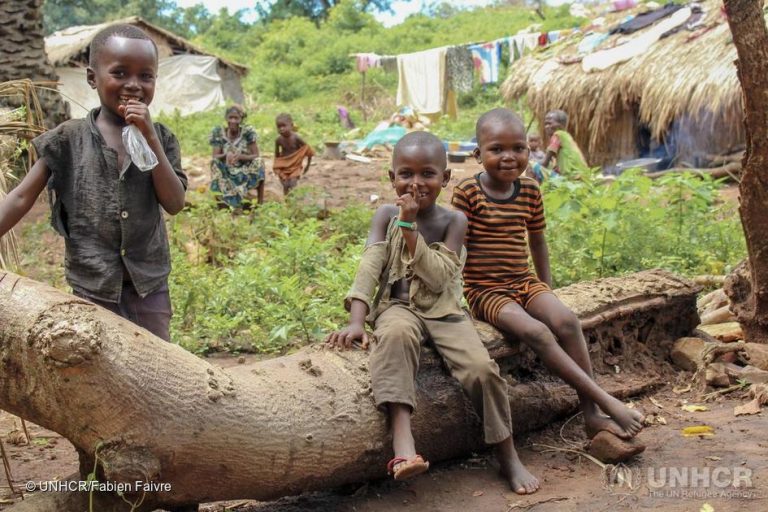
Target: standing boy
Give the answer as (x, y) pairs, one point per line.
(107, 210)
(290, 151)
(414, 258)
(502, 208)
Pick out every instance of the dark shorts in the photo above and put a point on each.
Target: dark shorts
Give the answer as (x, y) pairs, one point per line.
(152, 312)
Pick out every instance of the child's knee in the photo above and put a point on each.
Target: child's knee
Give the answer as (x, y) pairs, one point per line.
(567, 324)
(483, 371)
(539, 337)
(394, 336)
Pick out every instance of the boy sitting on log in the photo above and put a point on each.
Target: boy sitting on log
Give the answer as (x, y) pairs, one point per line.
(413, 261)
(504, 208)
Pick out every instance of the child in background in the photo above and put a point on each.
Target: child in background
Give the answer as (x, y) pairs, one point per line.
(107, 210)
(502, 208)
(562, 149)
(290, 152)
(414, 256)
(535, 170)
(534, 143)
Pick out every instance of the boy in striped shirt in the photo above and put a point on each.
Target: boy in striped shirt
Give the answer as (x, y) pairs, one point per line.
(502, 207)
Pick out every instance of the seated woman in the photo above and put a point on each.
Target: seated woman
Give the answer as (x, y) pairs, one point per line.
(236, 166)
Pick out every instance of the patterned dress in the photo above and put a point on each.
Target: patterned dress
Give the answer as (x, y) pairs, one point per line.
(232, 182)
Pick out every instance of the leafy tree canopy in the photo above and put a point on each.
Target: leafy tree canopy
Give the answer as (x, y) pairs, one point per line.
(187, 22)
(315, 10)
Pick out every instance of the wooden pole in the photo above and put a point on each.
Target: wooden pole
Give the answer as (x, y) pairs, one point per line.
(362, 95)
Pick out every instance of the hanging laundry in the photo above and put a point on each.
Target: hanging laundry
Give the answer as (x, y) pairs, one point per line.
(623, 5)
(521, 44)
(516, 48)
(604, 59)
(645, 19)
(421, 81)
(543, 39)
(367, 60)
(459, 69)
(486, 57)
(553, 36)
(388, 63)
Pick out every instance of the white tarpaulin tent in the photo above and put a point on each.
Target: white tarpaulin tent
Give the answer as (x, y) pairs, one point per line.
(189, 80)
(189, 83)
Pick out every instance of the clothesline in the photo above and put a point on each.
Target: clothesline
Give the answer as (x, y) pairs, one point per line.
(429, 80)
(486, 55)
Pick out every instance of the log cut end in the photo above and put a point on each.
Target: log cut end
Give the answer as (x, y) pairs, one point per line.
(129, 464)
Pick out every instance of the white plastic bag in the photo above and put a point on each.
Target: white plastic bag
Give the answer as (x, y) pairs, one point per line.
(138, 149)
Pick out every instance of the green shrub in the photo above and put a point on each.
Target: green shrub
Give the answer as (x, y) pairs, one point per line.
(263, 281)
(635, 223)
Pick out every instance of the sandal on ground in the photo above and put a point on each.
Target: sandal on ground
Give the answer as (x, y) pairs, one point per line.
(407, 467)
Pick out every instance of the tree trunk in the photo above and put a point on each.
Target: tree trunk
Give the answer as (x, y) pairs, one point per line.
(151, 411)
(22, 54)
(750, 36)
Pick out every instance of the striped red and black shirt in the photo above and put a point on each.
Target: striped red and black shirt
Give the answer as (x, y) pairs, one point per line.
(497, 249)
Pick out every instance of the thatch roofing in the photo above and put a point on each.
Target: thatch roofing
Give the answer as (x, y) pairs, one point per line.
(676, 78)
(71, 44)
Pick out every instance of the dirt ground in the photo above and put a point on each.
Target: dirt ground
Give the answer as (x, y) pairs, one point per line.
(675, 473)
(342, 181)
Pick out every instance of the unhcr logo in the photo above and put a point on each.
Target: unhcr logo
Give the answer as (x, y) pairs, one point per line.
(718, 477)
(691, 482)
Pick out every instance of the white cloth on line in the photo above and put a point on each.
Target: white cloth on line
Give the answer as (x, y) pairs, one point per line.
(421, 80)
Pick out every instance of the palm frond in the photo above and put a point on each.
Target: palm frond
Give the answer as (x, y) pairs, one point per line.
(16, 125)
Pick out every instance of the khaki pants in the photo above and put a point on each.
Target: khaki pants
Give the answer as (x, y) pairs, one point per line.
(394, 361)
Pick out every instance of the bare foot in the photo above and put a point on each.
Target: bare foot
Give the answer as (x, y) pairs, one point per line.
(622, 421)
(520, 479)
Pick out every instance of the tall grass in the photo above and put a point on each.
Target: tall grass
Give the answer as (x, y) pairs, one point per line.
(17, 125)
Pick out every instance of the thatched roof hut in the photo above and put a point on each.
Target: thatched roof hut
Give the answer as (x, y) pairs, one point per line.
(190, 78)
(682, 92)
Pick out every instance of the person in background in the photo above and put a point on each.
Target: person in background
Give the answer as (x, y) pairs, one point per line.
(535, 170)
(290, 152)
(534, 144)
(564, 157)
(237, 168)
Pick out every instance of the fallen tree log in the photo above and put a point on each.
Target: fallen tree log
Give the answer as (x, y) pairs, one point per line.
(731, 170)
(153, 412)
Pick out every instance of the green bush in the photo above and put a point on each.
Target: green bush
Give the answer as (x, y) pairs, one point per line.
(263, 281)
(635, 223)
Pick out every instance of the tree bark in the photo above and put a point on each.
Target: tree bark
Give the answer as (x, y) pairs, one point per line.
(750, 36)
(153, 412)
(22, 55)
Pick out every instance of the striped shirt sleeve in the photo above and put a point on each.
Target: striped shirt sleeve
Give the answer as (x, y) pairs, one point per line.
(460, 200)
(536, 222)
